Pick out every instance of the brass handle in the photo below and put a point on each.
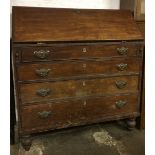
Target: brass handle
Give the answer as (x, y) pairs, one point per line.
(42, 72)
(120, 104)
(122, 50)
(122, 67)
(120, 84)
(43, 92)
(41, 54)
(44, 114)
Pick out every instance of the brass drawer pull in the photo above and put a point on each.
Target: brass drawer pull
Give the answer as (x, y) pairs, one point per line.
(120, 84)
(42, 72)
(120, 104)
(41, 54)
(44, 114)
(122, 50)
(122, 67)
(43, 92)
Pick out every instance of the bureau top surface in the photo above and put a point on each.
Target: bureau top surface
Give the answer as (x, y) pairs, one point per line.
(34, 24)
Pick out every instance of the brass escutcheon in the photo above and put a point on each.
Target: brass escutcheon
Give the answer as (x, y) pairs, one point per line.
(120, 104)
(84, 50)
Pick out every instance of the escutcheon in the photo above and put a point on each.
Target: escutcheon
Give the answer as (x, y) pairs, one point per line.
(120, 104)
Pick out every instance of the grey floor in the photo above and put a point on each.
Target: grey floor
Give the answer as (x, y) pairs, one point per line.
(110, 138)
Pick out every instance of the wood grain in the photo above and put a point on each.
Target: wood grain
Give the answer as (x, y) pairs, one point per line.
(77, 88)
(74, 112)
(69, 69)
(82, 56)
(45, 24)
(76, 51)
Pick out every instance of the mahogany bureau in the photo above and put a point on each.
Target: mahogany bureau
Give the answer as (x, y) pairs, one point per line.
(74, 67)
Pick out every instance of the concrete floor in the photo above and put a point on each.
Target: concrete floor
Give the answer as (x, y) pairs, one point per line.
(110, 138)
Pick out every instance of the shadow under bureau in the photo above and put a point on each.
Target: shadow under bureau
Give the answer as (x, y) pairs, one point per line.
(74, 67)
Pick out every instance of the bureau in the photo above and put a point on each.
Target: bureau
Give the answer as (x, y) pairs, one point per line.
(73, 67)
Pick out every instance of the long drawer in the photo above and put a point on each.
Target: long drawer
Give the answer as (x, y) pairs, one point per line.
(75, 112)
(68, 69)
(75, 51)
(36, 92)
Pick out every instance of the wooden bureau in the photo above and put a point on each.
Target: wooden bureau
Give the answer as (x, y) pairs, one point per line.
(74, 67)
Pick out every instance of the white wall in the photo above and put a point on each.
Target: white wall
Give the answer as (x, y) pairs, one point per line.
(96, 4)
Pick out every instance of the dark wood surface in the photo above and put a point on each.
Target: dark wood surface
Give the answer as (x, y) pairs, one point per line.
(141, 25)
(140, 20)
(77, 51)
(83, 83)
(67, 69)
(12, 105)
(46, 24)
(74, 112)
(141, 120)
(77, 88)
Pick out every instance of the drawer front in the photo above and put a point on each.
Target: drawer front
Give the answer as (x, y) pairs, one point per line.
(75, 112)
(42, 71)
(36, 92)
(77, 51)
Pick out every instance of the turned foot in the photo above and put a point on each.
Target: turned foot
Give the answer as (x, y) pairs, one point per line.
(131, 123)
(26, 142)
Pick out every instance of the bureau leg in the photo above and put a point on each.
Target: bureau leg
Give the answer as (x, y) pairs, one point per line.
(131, 123)
(26, 142)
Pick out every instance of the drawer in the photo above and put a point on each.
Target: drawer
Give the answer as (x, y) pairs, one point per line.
(75, 112)
(42, 71)
(37, 92)
(69, 51)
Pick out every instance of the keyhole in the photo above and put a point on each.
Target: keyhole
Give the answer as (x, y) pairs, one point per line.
(83, 83)
(84, 103)
(84, 50)
(84, 66)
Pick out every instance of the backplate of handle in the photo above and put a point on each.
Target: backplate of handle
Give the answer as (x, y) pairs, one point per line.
(120, 84)
(44, 114)
(122, 67)
(42, 72)
(43, 92)
(122, 50)
(41, 54)
(120, 104)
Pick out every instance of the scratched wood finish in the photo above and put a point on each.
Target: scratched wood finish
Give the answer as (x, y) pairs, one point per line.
(77, 88)
(27, 72)
(82, 56)
(69, 51)
(45, 24)
(73, 112)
